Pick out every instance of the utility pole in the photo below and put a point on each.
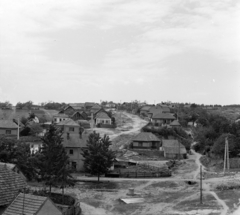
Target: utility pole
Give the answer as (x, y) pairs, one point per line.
(18, 130)
(226, 156)
(201, 184)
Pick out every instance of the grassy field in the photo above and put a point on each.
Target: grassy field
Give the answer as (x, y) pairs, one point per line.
(14, 114)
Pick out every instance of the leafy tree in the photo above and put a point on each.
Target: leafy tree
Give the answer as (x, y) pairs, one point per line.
(7, 150)
(35, 129)
(24, 120)
(98, 158)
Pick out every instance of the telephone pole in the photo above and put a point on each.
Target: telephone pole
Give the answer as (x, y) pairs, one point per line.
(226, 156)
(201, 185)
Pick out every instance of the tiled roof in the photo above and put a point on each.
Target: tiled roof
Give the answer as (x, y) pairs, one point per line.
(7, 124)
(172, 146)
(175, 123)
(96, 106)
(146, 108)
(102, 115)
(8, 165)
(68, 122)
(146, 136)
(10, 184)
(32, 204)
(163, 116)
(74, 140)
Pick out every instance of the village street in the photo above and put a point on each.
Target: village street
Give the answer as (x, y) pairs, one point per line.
(105, 201)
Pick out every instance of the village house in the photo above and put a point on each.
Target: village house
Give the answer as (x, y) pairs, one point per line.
(9, 128)
(158, 110)
(73, 142)
(146, 140)
(173, 149)
(84, 124)
(77, 115)
(145, 110)
(60, 117)
(10, 184)
(161, 119)
(102, 118)
(32, 205)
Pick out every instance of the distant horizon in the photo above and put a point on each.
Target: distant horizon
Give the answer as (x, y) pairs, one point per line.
(149, 103)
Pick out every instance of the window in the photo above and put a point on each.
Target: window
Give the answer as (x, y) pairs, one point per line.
(71, 129)
(55, 119)
(60, 119)
(8, 131)
(140, 144)
(71, 152)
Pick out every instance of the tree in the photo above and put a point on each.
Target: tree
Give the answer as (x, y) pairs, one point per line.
(35, 129)
(52, 162)
(98, 158)
(7, 150)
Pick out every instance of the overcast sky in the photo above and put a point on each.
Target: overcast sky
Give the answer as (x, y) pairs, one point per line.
(149, 50)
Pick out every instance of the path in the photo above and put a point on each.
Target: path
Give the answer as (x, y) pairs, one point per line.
(206, 187)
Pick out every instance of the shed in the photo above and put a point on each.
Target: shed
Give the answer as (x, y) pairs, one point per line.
(173, 149)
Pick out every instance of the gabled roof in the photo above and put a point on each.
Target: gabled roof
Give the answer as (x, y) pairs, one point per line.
(102, 115)
(8, 165)
(175, 123)
(7, 124)
(163, 116)
(146, 108)
(10, 184)
(146, 136)
(172, 146)
(27, 204)
(68, 122)
(96, 106)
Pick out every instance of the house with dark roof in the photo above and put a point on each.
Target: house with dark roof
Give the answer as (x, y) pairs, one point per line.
(173, 149)
(161, 119)
(88, 105)
(29, 204)
(73, 141)
(8, 127)
(77, 115)
(84, 124)
(10, 184)
(146, 140)
(145, 110)
(102, 118)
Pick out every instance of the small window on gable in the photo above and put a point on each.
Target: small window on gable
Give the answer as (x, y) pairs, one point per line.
(8, 131)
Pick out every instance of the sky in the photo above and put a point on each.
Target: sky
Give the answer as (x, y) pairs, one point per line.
(120, 50)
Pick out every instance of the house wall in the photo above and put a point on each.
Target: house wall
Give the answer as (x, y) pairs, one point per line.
(67, 129)
(49, 209)
(59, 119)
(76, 157)
(146, 145)
(161, 121)
(103, 121)
(13, 131)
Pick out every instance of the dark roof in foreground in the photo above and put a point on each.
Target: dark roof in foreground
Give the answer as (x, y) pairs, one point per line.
(146, 136)
(7, 124)
(10, 184)
(32, 204)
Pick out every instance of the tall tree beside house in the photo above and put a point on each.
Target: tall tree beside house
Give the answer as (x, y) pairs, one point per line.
(53, 160)
(98, 158)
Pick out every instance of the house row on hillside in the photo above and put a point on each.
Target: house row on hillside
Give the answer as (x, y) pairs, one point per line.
(159, 115)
